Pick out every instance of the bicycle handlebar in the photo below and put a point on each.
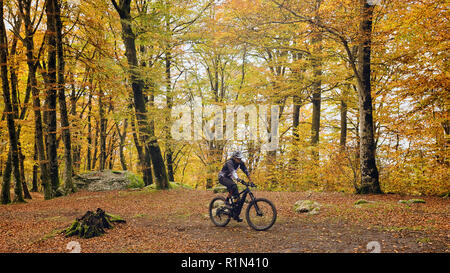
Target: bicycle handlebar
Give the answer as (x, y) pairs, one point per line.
(246, 184)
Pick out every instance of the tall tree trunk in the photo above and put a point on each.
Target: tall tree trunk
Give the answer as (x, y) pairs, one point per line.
(146, 133)
(15, 105)
(35, 169)
(65, 126)
(110, 155)
(317, 93)
(89, 136)
(296, 117)
(369, 171)
(169, 100)
(6, 185)
(122, 137)
(169, 149)
(146, 172)
(1, 161)
(13, 75)
(75, 134)
(25, 12)
(101, 109)
(51, 97)
(9, 117)
(343, 112)
(94, 157)
(26, 193)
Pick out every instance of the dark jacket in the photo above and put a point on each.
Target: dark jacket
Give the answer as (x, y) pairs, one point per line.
(230, 168)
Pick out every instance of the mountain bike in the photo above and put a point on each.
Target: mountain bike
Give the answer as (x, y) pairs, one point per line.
(261, 213)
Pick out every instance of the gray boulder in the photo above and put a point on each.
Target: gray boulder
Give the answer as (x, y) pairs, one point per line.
(303, 206)
(105, 180)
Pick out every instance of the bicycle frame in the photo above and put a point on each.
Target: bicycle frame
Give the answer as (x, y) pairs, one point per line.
(243, 195)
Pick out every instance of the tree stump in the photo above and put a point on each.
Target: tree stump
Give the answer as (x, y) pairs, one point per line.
(92, 224)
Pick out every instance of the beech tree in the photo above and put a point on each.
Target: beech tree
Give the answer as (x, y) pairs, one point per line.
(147, 135)
(14, 152)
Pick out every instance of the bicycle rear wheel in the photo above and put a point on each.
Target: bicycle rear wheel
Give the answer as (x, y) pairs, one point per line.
(218, 212)
(261, 214)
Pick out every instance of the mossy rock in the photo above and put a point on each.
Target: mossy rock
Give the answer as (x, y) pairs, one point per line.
(150, 188)
(302, 206)
(412, 201)
(135, 181)
(176, 185)
(361, 201)
(416, 201)
(314, 211)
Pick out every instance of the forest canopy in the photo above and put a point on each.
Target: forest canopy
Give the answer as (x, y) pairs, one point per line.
(357, 91)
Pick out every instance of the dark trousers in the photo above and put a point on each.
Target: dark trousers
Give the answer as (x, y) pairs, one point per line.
(231, 186)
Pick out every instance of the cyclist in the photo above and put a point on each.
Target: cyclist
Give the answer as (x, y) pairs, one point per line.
(228, 175)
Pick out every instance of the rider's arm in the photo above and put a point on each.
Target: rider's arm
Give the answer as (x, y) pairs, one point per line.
(244, 169)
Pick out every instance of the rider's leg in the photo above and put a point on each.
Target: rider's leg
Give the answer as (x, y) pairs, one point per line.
(227, 183)
(231, 186)
(234, 192)
(228, 197)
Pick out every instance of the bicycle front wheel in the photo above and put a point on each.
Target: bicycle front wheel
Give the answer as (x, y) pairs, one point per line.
(218, 212)
(261, 214)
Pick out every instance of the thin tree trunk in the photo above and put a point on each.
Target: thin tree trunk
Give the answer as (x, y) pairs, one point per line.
(94, 157)
(35, 169)
(76, 143)
(6, 185)
(89, 137)
(169, 152)
(111, 149)
(9, 116)
(102, 130)
(169, 102)
(317, 93)
(1, 161)
(296, 117)
(343, 112)
(26, 193)
(122, 137)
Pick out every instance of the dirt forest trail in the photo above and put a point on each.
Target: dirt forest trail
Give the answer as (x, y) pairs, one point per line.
(177, 221)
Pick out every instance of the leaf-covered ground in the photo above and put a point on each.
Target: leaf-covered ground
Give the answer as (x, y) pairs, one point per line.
(177, 221)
